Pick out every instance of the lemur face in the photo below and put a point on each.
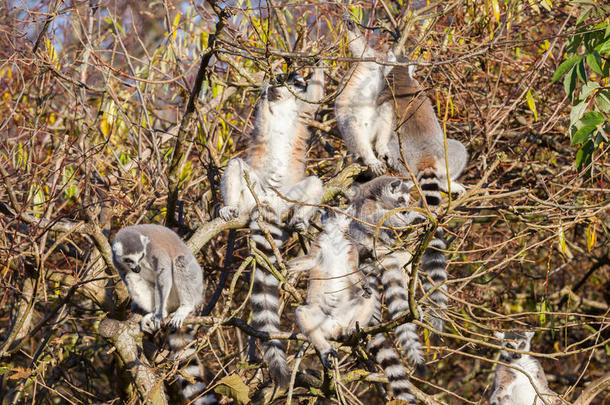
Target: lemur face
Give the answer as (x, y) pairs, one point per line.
(280, 84)
(396, 194)
(128, 252)
(516, 341)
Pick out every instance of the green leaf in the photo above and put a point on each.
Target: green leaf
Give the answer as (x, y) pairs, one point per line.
(565, 66)
(582, 134)
(583, 14)
(582, 71)
(233, 387)
(577, 112)
(593, 118)
(602, 99)
(595, 62)
(569, 83)
(604, 48)
(587, 89)
(584, 156)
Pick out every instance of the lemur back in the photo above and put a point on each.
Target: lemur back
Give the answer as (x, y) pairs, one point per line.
(512, 385)
(421, 136)
(362, 122)
(339, 298)
(373, 200)
(413, 132)
(163, 278)
(276, 162)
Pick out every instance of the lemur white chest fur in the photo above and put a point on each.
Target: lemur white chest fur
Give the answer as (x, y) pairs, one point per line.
(275, 167)
(275, 162)
(521, 380)
(337, 298)
(276, 156)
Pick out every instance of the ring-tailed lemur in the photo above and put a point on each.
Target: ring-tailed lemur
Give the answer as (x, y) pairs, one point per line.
(339, 298)
(376, 96)
(512, 385)
(276, 161)
(362, 122)
(163, 277)
(372, 201)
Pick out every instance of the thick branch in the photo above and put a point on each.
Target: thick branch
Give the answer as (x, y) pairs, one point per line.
(127, 339)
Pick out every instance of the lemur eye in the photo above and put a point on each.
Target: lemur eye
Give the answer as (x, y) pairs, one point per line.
(128, 261)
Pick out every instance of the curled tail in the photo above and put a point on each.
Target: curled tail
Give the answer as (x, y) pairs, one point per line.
(189, 364)
(397, 301)
(384, 353)
(434, 264)
(265, 304)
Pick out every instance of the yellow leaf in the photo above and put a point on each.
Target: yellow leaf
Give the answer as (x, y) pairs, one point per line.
(531, 104)
(496, 9)
(175, 24)
(563, 247)
(591, 236)
(562, 241)
(104, 127)
(547, 4)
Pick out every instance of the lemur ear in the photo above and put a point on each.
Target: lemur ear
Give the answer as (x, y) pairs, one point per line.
(117, 248)
(529, 335)
(499, 335)
(144, 239)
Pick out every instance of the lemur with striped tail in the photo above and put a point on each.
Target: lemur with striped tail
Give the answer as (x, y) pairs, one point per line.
(373, 201)
(276, 162)
(163, 279)
(386, 107)
(517, 372)
(339, 299)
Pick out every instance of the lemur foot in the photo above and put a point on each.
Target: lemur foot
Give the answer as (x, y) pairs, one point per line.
(326, 355)
(228, 213)
(150, 323)
(386, 156)
(298, 224)
(178, 317)
(377, 167)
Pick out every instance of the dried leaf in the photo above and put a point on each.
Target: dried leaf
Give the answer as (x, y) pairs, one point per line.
(233, 387)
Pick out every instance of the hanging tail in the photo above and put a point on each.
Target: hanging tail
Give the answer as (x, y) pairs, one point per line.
(384, 353)
(434, 260)
(397, 301)
(434, 264)
(189, 364)
(265, 303)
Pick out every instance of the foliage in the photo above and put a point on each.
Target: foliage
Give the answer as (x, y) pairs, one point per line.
(585, 75)
(93, 107)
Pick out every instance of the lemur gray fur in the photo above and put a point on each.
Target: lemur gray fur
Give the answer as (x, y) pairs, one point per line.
(390, 100)
(512, 385)
(372, 201)
(276, 161)
(163, 277)
(338, 299)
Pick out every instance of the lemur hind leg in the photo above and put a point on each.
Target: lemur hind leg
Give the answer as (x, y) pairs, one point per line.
(234, 189)
(308, 191)
(318, 327)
